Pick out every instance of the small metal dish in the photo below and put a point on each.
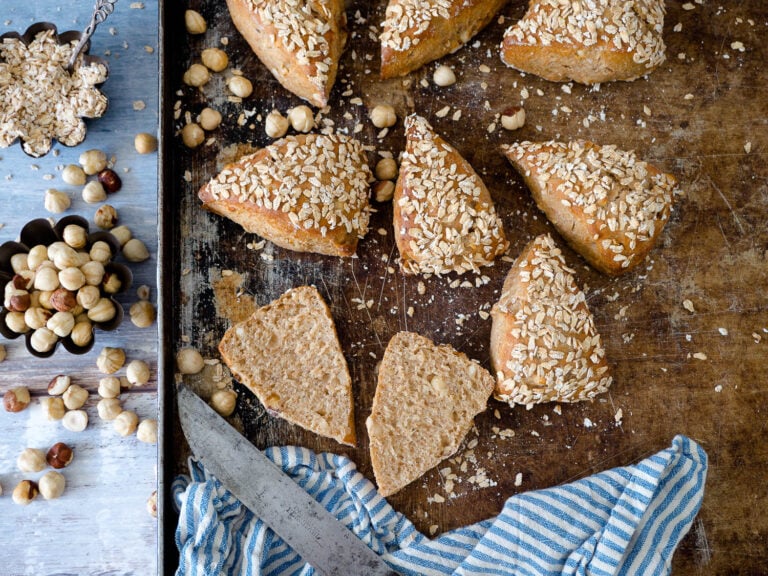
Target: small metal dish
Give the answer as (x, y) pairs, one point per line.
(41, 231)
(69, 37)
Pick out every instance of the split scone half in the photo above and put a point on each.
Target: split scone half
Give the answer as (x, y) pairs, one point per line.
(416, 32)
(444, 217)
(427, 397)
(544, 344)
(300, 42)
(607, 204)
(588, 41)
(288, 354)
(307, 193)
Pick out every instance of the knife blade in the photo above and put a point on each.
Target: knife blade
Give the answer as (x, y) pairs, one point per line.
(304, 524)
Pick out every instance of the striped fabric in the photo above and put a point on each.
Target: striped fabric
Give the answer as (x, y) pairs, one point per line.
(622, 521)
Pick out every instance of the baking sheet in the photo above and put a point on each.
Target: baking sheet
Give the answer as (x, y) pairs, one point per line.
(213, 273)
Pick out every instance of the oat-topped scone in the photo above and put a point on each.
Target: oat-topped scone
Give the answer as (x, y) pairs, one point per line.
(299, 41)
(307, 193)
(444, 217)
(588, 41)
(416, 32)
(544, 345)
(609, 205)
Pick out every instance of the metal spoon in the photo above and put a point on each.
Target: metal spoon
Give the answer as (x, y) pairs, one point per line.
(101, 10)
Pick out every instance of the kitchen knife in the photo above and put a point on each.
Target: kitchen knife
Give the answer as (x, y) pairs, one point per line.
(304, 524)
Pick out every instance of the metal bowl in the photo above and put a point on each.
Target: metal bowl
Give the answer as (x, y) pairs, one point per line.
(41, 231)
(68, 37)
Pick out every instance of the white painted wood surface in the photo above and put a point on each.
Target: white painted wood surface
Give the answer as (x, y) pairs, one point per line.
(101, 524)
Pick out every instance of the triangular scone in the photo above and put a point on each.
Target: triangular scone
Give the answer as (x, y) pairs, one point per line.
(609, 205)
(544, 345)
(288, 354)
(588, 41)
(426, 399)
(416, 32)
(444, 217)
(300, 42)
(307, 193)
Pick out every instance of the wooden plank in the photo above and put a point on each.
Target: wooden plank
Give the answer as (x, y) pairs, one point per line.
(712, 252)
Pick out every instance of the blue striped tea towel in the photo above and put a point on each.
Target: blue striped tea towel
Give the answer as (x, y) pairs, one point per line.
(623, 521)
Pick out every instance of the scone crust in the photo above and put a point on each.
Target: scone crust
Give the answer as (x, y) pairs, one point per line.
(300, 42)
(544, 344)
(307, 193)
(609, 205)
(444, 216)
(587, 41)
(416, 32)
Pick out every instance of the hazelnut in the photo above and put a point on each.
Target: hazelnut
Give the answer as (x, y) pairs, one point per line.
(59, 384)
(75, 236)
(31, 460)
(93, 271)
(93, 161)
(19, 262)
(93, 192)
(444, 76)
(192, 135)
(72, 278)
(88, 297)
(16, 399)
(194, 22)
(109, 387)
(145, 143)
(16, 323)
(189, 361)
(109, 408)
(24, 280)
(151, 504)
(240, 86)
(102, 311)
(52, 485)
(137, 372)
(147, 431)
(55, 248)
(75, 397)
(513, 118)
(73, 175)
(56, 201)
(111, 283)
(53, 408)
(143, 292)
(44, 298)
(110, 360)
(110, 181)
(384, 191)
(215, 59)
(386, 169)
(383, 116)
(223, 401)
(126, 422)
(301, 118)
(61, 324)
(276, 125)
(75, 420)
(142, 314)
(122, 234)
(59, 456)
(81, 334)
(101, 252)
(65, 257)
(46, 279)
(36, 256)
(63, 300)
(135, 250)
(196, 75)
(25, 492)
(209, 119)
(43, 340)
(17, 300)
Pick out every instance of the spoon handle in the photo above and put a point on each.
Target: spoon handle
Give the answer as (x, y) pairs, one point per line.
(101, 10)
